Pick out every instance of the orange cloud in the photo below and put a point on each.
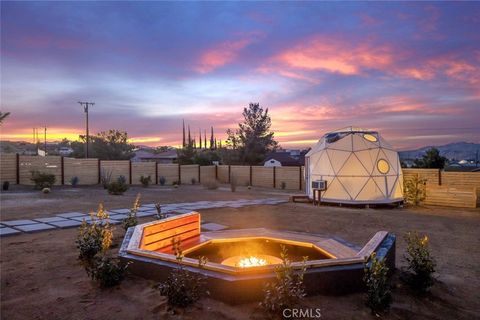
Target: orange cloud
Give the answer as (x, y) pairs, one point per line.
(221, 55)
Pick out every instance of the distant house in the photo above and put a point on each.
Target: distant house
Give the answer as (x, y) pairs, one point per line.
(284, 159)
(169, 156)
(463, 166)
(65, 151)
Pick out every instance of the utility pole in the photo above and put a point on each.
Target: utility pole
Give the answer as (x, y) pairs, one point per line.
(85, 109)
(45, 139)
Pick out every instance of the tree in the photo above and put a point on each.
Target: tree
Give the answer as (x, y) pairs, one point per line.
(106, 145)
(184, 143)
(431, 159)
(186, 155)
(253, 139)
(211, 140)
(3, 116)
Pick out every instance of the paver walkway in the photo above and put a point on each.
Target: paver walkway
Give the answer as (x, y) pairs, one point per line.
(74, 219)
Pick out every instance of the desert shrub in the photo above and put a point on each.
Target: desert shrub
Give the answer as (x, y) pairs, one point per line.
(118, 187)
(421, 264)
(145, 181)
(95, 237)
(46, 190)
(183, 288)
(74, 181)
(211, 185)
(249, 187)
(6, 185)
(105, 177)
(43, 180)
(379, 296)
(162, 180)
(193, 181)
(283, 185)
(131, 220)
(159, 215)
(105, 270)
(233, 183)
(415, 190)
(286, 291)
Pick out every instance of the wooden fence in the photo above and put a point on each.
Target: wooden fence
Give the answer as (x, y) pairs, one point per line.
(458, 189)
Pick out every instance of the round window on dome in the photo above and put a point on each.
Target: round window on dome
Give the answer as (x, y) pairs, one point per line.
(383, 166)
(370, 137)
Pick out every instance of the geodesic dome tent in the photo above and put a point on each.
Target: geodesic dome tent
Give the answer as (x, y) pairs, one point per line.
(358, 165)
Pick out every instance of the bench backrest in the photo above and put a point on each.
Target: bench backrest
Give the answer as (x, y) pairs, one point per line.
(158, 236)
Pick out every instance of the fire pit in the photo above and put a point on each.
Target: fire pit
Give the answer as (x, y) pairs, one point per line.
(239, 262)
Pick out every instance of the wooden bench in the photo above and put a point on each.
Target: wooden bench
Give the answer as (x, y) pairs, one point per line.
(372, 245)
(159, 236)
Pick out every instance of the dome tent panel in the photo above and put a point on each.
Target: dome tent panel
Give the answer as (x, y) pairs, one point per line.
(337, 159)
(335, 190)
(353, 185)
(370, 192)
(343, 143)
(322, 164)
(360, 143)
(381, 183)
(367, 158)
(392, 157)
(391, 184)
(353, 167)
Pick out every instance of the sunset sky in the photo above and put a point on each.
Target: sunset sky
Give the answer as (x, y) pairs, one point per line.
(409, 70)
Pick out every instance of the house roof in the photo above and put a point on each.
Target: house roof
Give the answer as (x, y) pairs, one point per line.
(285, 159)
(169, 154)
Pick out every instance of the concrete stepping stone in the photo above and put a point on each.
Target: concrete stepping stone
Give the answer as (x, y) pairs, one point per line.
(8, 231)
(88, 219)
(65, 224)
(145, 208)
(118, 216)
(120, 210)
(14, 223)
(146, 214)
(71, 215)
(35, 227)
(211, 226)
(51, 219)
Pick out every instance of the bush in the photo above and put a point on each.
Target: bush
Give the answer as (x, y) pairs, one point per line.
(131, 220)
(74, 181)
(379, 296)
(287, 290)
(211, 185)
(43, 180)
(415, 190)
(283, 185)
(6, 185)
(162, 180)
(233, 183)
(118, 187)
(105, 178)
(107, 271)
(421, 264)
(145, 181)
(183, 288)
(193, 181)
(95, 237)
(46, 190)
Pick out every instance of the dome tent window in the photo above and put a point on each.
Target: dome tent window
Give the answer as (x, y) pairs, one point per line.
(383, 166)
(335, 136)
(370, 137)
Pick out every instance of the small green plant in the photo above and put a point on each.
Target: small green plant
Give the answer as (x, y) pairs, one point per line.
(421, 264)
(118, 187)
(193, 180)
(175, 184)
(183, 288)
(43, 180)
(233, 183)
(415, 190)
(249, 187)
(106, 271)
(159, 215)
(211, 185)
(287, 291)
(379, 296)
(105, 177)
(131, 220)
(283, 185)
(74, 181)
(145, 181)
(162, 180)
(95, 237)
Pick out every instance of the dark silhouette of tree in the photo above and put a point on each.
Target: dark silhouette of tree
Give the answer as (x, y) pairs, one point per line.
(186, 155)
(184, 142)
(253, 138)
(211, 140)
(189, 137)
(3, 116)
(431, 159)
(200, 137)
(106, 145)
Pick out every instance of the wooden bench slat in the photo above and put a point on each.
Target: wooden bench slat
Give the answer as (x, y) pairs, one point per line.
(372, 245)
(170, 233)
(162, 226)
(168, 241)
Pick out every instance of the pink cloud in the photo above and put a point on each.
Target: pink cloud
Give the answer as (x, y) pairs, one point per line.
(221, 55)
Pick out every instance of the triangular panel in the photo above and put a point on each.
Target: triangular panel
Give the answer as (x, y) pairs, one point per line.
(323, 165)
(337, 158)
(392, 157)
(391, 182)
(370, 192)
(353, 167)
(380, 182)
(359, 143)
(367, 158)
(353, 185)
(335, 191)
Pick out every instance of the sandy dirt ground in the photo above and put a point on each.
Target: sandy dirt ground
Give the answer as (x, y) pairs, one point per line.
(41, 278)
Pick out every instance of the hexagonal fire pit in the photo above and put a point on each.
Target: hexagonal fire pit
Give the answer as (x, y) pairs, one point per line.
(239, 262)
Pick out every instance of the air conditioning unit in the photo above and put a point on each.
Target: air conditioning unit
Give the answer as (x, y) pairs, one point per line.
(319, 184)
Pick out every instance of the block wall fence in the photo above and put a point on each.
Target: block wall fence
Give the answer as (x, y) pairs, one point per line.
(457, 189)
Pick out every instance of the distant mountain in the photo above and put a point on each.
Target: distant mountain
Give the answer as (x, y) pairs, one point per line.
(457, 151)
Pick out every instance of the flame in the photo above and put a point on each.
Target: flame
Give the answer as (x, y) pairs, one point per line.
(251, 261)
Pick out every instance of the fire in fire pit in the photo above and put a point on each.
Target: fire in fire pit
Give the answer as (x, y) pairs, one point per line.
(257, 260)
